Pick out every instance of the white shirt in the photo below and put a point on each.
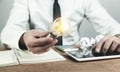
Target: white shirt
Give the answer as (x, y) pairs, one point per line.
(40, 15)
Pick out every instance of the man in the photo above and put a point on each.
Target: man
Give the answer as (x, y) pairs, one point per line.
(30, 21)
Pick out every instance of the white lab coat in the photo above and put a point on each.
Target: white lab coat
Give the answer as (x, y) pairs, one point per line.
(38, 14)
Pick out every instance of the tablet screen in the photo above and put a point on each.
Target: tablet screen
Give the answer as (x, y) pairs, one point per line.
(87, 56)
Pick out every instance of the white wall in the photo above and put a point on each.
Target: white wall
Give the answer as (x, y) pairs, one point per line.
(112, 6)
(5, 6)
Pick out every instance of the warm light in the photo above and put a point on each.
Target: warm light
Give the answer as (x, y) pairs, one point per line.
(60, 27)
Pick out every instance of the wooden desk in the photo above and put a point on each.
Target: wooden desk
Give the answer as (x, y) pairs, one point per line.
(69, 65)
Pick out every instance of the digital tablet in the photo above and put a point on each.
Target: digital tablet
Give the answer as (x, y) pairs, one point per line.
(75, 54)
(66, 47)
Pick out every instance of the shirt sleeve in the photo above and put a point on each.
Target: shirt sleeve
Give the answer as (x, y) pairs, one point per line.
(100, 19)
(17, 24)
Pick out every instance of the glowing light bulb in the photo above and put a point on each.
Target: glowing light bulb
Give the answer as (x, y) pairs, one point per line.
(60, 27)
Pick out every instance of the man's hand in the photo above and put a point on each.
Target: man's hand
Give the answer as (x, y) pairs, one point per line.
(37, 42)
(108, 45)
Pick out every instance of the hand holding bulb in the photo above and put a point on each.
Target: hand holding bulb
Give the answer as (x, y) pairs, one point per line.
(36, 41)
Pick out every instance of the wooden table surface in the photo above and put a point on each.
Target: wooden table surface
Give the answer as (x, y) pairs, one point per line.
(70, 65)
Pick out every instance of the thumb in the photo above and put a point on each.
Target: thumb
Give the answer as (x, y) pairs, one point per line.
(44, 34)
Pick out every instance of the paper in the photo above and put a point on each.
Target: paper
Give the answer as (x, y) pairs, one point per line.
(86, 45)
(26, 57)
(7, 58)
(15, 57)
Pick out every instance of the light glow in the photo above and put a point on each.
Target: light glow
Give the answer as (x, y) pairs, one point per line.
(61, 27)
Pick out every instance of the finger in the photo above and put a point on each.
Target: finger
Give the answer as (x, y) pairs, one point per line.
(46, 47)
(100, 44)
(42, 41)
(49, 45)
(41, 49)
(114, 46)
(107, 45)
(39, 42)
(118, 49)
(38, 34)
(43, 34)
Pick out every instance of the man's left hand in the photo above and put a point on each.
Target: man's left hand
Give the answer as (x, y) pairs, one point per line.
(109, 44)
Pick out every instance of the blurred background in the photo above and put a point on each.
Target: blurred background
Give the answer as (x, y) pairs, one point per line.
(112, 6)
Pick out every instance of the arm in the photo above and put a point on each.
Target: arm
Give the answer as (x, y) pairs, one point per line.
(17, 24)
(105, 24)
(100, 19)
(17, 34)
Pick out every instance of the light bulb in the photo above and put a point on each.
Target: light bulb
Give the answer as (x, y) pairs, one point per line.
(60, 27)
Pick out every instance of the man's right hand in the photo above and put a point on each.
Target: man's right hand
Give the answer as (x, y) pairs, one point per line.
(37, 42)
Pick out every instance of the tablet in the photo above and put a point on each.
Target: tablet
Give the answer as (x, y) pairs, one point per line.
(76, 54)
(65, 47)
